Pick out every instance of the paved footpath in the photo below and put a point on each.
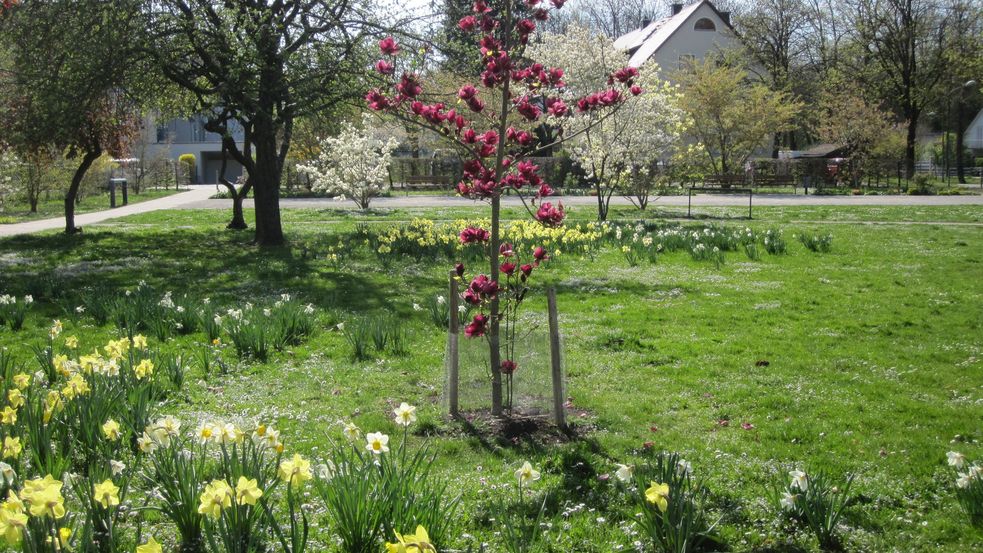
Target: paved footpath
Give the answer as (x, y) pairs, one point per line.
(174, 201)
(198, 198)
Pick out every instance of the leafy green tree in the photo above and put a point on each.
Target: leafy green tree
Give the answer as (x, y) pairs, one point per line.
(731, 116)
(71, 86)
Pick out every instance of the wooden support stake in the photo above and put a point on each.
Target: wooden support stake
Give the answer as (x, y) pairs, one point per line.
(559, 415)
(453, 361)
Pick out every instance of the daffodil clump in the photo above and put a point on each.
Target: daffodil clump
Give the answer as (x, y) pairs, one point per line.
(815, 500)
(969, 484)
(670, 503)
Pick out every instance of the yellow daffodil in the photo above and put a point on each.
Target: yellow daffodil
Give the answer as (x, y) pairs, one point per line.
(144, 369)
(11, 447)
(8, 415)
(418, 542)
(12, 524)
(72, 342)
(526, 473)
(405, 414)
(44, 497)
(658, 495)
(106, 494)
(247, 492)
(217, 496)
(111, 430)
(64, 535)
(15, 397)
(140, 341)
(296, 470)
(22, 381)
(378, 443)
(76, 386)
(150, 547)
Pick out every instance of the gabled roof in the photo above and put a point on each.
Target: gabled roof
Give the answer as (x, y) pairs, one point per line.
(642, 43)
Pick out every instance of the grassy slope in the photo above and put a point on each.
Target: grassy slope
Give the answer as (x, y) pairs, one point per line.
(874, 361)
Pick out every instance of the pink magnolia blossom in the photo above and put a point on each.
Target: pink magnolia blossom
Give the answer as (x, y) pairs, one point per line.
(474, 235)
(477, 327)
(388, 46)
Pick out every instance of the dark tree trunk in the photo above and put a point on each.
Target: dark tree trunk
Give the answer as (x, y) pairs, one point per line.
(266, 188)
(910, 142)
(87, 160)
(238, 221)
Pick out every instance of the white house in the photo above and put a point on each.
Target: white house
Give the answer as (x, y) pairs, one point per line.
(689, 33)
(973, 139)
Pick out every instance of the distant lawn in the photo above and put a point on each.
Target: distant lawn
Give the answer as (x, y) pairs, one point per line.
(865, 360)
(54, 205)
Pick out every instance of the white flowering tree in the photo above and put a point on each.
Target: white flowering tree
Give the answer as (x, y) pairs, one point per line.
(353, 165)
(8, 168)
(617, 150)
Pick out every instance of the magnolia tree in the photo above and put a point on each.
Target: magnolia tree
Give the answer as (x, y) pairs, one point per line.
(482, 125)
(353, 165)
(618, 152)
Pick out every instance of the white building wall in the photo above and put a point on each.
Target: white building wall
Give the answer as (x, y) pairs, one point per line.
(689, 42)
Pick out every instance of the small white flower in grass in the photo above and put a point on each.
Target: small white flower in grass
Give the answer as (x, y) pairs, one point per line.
(351, 431)
(80, 309)
(799, 480)
(526, 473)
(956, 459)
(405, 414)
(441, 300)
(28, 299)
(788, 501)
(461, 308)
(684, 467)
(117, 467)
(625, 472)
(309, 309)
(340, 326)
(416, 307)
(377, 443)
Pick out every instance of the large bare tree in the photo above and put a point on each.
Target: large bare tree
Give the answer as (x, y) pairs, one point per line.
(262, 64)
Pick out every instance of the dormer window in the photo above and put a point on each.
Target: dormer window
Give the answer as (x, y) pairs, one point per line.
(704, 24)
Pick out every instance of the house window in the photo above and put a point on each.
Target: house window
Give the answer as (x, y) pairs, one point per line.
(704, 24)
(162, 134)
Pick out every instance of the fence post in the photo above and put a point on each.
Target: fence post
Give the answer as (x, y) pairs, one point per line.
(559, 415)
(453, 361)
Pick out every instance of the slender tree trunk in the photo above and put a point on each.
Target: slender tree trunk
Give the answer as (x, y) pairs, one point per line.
(960, 173)
(87, 160)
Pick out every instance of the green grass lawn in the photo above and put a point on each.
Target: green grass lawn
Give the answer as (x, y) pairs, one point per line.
(865, 360)
(54, 206)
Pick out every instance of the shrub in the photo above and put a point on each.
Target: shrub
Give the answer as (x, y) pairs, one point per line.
(921, 185)
(188, 163)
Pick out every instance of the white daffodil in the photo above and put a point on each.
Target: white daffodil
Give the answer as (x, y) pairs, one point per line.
(956, 459)
(684, 467)
(352, 432)
(625, 472)
(526, 473)
(405, 414)
(799, 480)
(377, 443)
(788, 501)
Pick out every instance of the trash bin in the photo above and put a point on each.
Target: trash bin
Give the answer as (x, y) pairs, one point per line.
(113, 184)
